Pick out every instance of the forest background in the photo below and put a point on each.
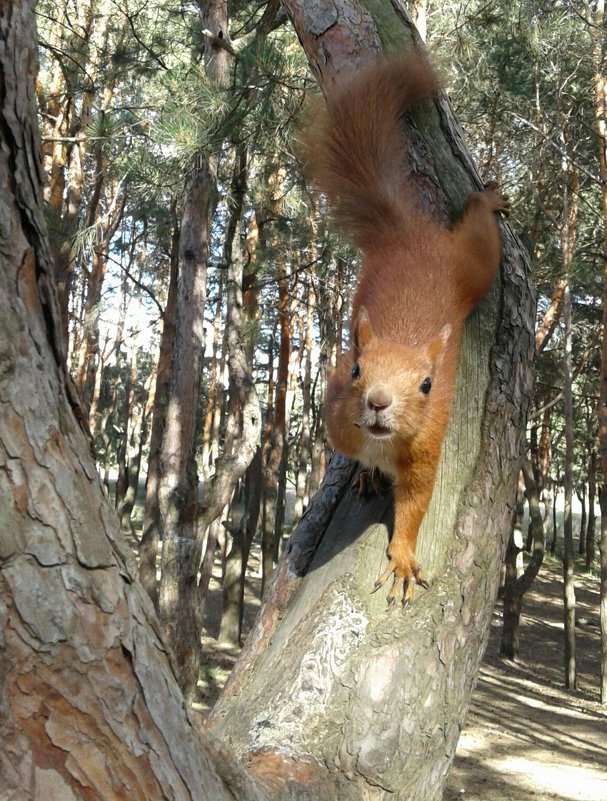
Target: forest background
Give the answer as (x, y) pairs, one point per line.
(145, 143)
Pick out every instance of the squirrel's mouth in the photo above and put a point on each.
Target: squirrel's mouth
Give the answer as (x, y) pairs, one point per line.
(379, 432)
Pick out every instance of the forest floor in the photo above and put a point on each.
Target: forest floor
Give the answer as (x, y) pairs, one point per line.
(525, 736)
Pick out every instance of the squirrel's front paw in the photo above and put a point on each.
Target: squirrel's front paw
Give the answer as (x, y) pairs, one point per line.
(406, 572)
(497, 201)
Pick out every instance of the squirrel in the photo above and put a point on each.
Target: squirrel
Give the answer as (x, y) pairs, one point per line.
(388, 402)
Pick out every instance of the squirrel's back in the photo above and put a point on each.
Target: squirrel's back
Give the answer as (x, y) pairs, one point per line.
(354, 148)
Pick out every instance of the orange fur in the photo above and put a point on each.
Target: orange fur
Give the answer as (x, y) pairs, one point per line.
(418, 283)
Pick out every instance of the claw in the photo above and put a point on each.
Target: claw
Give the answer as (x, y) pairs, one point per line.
(403, 584)
(500, 202)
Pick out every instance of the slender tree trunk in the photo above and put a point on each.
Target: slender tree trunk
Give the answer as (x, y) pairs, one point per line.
(568, 240)
(268, 490)
(517, 586)
(304, 447)
(555, 525)
(590, 530)
(210, 432)
(230, 629)
(600, 95)
(89, 347)
(177, 492)
(243, 418)
(148, 548)
(273, 485)
(581, 494)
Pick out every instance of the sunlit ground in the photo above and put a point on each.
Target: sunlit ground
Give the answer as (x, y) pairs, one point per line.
(527, 737)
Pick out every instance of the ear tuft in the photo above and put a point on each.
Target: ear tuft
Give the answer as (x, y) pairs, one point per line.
(363, 331)
(437, 345)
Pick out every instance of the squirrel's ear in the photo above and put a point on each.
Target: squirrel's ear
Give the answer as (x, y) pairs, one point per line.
(437, 345)
(363, 332)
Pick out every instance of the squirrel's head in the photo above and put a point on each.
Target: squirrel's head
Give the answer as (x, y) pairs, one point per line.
(381, 396)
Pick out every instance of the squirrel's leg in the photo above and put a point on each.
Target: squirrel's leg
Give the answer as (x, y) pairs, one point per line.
(475, 243)
(409, 509)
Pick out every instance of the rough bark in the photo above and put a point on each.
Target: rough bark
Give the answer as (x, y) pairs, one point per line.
(378, 697)
(89, 707)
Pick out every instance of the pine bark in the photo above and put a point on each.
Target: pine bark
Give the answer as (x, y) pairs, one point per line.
(90, 709)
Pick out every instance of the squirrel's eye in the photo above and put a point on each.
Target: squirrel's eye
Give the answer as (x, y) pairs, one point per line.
(355, 370)
(425, 386)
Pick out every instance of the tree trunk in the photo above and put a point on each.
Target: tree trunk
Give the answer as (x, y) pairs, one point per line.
(567, 244)
(581, 494)
(210, 429)
(304, 446)
(243, 418)
(273, 486)
(379, 697)
(177, 492)
(89, 706)
(148, 548)
(590, 530)
(230, 629)
(600, 96)
(555, 525)
(516, 588)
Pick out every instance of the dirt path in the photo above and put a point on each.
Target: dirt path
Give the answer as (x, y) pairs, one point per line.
(525, 737)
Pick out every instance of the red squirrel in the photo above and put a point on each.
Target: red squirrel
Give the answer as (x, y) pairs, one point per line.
(389, 399)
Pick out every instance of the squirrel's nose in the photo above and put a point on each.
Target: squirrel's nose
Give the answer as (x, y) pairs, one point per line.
(379, 399)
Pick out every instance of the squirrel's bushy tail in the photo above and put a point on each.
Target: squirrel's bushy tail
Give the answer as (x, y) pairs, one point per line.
(354, 148)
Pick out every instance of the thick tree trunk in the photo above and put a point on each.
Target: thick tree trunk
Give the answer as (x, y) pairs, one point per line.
(379, 697)
(89, 707)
